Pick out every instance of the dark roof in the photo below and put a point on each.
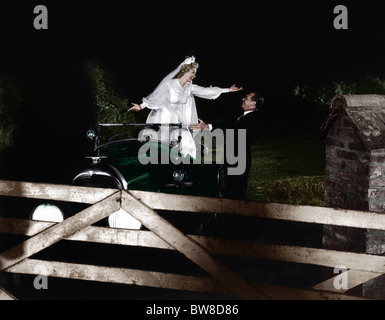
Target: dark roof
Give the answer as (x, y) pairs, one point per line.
(366, 114)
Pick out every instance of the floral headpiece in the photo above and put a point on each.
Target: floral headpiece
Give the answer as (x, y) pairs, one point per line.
(189, 60)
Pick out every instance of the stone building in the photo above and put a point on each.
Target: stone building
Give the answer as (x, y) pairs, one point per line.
(354, 135)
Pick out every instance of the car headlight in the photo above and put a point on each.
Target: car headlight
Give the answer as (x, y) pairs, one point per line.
(123, 220)
(178, 175)
(91, 134)
(47, 212)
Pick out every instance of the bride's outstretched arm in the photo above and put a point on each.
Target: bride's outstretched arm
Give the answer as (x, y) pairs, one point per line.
(212, 92)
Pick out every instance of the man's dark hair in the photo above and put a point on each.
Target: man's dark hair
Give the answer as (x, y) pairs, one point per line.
(258, 98)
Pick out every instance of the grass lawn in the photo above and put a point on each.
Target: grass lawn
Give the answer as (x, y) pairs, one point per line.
(287, 169)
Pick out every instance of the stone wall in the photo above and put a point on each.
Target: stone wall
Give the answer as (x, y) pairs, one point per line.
(346, 168)
(355, 179)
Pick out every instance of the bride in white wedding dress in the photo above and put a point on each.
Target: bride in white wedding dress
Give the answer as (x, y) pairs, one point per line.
(173, 102)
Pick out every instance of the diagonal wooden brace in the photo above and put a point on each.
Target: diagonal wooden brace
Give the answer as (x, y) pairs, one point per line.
(190, 248)
(60, 231)
(5, 295)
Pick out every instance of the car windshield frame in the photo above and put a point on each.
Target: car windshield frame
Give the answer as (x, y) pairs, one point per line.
(124, 137)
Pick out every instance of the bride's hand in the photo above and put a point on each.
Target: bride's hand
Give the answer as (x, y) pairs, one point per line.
(234, 88)
(135, 107)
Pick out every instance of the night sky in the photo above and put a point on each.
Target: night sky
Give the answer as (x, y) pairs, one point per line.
(265, 45)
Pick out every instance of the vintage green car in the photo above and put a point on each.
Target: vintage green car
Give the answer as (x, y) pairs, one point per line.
(118, 163)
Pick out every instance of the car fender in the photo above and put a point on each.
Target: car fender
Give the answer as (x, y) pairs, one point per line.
(100, 175)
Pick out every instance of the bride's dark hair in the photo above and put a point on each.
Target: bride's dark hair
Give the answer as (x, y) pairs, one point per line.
(186, 68)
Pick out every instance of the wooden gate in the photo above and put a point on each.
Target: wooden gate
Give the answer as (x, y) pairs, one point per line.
(161, 234)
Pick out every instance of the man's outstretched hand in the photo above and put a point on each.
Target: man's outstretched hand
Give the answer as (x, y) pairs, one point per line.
(201, 125)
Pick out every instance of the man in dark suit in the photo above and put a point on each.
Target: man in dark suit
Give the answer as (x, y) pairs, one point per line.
(235, 186)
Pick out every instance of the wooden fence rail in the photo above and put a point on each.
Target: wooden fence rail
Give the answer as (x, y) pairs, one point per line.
(161, 234)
